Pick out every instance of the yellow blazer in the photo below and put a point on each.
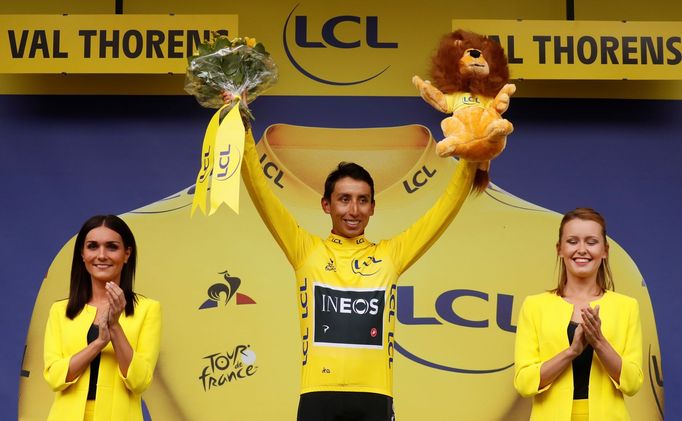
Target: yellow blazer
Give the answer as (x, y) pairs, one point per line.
(541, 334)
(118, 397)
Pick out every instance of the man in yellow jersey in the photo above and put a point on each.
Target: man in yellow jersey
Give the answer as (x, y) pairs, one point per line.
(347, 287)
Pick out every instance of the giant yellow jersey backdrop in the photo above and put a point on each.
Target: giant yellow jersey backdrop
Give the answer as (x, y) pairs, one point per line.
(230, 344)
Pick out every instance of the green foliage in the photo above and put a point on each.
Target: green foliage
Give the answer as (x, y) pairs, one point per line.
(237, 66)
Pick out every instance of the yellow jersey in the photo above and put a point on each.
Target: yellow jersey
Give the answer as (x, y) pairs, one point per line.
(346, 287)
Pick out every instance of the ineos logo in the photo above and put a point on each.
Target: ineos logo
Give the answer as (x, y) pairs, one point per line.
(330, 40)
(349, 306)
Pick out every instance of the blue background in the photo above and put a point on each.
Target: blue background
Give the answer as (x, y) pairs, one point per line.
(65, 158)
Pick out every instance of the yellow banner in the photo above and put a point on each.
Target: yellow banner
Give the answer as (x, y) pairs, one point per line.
(206, 168)
(227, 161)
(218, 179)
(345, 48)
(552, 49)
(105, 43)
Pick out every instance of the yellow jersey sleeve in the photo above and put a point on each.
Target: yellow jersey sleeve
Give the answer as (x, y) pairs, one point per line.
(291, 238)
(413, 242)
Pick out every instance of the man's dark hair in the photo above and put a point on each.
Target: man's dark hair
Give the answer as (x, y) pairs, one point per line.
(347, 169)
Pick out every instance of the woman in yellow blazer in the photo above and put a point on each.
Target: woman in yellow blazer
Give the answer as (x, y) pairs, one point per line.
(579, 347)
(101, 345)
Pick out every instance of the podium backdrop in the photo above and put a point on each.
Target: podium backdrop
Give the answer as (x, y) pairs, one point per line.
(131, 146)
(560, 165)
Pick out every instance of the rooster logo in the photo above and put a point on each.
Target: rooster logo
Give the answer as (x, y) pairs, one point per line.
(223, 292)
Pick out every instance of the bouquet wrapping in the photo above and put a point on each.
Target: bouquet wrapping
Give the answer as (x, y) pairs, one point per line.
(239, 67)
(225, 74)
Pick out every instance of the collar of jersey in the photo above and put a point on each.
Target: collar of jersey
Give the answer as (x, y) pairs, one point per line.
(300, 191)
(338, 241)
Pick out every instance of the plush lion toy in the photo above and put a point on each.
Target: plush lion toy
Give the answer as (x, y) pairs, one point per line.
(470, 76)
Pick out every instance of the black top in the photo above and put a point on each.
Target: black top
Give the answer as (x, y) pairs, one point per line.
(581, 367)
(93, 333)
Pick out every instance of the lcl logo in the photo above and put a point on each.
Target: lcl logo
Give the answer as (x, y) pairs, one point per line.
(306, 36)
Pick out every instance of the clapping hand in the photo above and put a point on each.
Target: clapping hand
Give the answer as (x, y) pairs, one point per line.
(102, 323)
(579, 342)
(117, 302)
(592, 325)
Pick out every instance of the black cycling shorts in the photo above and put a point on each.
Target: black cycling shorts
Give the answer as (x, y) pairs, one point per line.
(345, 406)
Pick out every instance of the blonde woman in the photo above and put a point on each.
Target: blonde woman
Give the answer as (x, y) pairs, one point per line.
(579, 347)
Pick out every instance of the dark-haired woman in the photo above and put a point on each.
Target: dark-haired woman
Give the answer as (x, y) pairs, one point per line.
(101, 345)
(579, 346)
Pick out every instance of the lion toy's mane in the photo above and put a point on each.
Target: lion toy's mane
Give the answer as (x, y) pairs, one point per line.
(445, 72)
(469, 75)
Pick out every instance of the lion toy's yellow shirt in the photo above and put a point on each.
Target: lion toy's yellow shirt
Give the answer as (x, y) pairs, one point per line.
(461, 100)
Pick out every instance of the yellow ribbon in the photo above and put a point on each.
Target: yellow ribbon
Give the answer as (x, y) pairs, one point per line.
(221, 159)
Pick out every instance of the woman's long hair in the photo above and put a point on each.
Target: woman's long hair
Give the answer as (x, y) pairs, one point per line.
(80, 289)
(604, 277)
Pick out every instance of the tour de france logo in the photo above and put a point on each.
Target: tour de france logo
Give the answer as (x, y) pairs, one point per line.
(222, 293)
(229, 366)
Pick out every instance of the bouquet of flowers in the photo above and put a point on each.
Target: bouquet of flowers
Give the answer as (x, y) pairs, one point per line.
(240, 66)
(223, 73)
